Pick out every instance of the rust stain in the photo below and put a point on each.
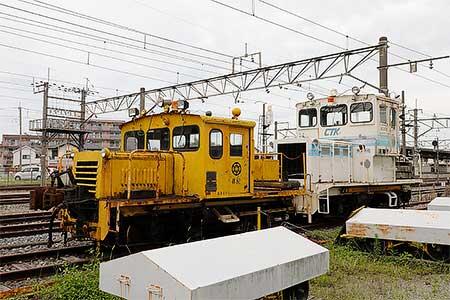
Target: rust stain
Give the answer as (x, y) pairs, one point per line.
(407, 229)
(385, 229)
(357, 230)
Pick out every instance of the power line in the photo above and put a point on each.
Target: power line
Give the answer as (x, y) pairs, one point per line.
(57, 80)
(16, 89)
(278, 24)
(105, 49)
(20, 98)
(313, 22)
(410, 49)
(14, 83)
(315, 38)
(104, 40)
(113, 34)
(94, 53)
(355, 39)
(171, 15)
(98, 20)
(82, 63)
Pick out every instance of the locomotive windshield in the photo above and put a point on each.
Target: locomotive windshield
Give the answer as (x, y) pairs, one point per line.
(361, 112)
(158, 139)
(186, 138)
(307, 117)
(134, 140)
(333, 115)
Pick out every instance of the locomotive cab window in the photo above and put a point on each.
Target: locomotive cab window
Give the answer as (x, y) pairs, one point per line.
(215, 143)
(361, 112)
(307, 117)
(158, 139)
(333, 115)
(393, 118)
(134, 140)
(383, 114)
(235, 144)
(186, 138)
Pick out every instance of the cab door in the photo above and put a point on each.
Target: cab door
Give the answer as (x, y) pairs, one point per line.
(239, 160)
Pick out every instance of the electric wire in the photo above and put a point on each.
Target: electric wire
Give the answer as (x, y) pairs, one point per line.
(315, 38)
(105, 49)
(15, 89)
(278, 24)
(62, 81)
(355, 39)
(95, 53)
(112, 24)
(82, 63)
(103, 40)
(114, 34)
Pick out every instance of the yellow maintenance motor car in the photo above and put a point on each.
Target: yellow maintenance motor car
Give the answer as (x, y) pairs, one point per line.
(177, 177)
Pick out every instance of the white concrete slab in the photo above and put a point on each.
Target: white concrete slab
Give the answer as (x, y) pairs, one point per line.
(439, 203)
(243, 266)
(422, 226)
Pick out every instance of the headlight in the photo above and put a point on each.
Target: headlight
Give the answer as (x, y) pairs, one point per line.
(105, 153)
(72, 155)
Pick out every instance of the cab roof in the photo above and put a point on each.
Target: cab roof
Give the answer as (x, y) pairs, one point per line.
(203, 118)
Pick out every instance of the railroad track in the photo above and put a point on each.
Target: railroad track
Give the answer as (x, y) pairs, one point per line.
(14, 198)
(27, 229)
(42, 261)
(19, 187)
(23, 248)
(24, 217)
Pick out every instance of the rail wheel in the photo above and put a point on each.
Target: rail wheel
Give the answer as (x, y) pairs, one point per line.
(297, 292)
(439, 252)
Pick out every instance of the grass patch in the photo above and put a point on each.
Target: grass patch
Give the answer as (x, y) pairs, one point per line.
(73, 283)
(359, 275)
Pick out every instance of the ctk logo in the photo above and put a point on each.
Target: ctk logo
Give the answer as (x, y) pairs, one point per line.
(332, 131)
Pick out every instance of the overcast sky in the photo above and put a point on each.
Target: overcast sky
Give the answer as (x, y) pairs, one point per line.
(420, 25)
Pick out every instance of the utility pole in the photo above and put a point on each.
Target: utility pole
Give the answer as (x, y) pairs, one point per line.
(383, 66)
(82, 118)
(403, 128)
(20, 136)
(436, 157)
(415, 134)
(44, 139)
(264, 131)
(142, 101)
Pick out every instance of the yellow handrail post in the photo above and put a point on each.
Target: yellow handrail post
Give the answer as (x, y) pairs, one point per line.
(258, 218)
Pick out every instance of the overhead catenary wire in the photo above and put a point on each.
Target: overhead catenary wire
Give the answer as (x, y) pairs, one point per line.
(114, 34)
(112, 24)
(96, 53)
(317, 39)
(356, 39)
(278, 24)
(173, 16)
(59, 80)
(105, 49)
(105, 40)
(83, 63)
(15, 89)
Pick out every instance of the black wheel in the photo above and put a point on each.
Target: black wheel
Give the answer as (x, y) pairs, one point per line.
(297, 292)
(38, 177)
(439, 252)
(17, 178)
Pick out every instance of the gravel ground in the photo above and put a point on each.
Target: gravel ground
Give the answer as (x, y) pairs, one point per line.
(15, 209)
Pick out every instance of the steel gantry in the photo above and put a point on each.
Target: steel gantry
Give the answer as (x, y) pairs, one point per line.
(321, 67)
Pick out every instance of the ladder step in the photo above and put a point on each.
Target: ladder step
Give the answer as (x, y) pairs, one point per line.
(226, 216)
